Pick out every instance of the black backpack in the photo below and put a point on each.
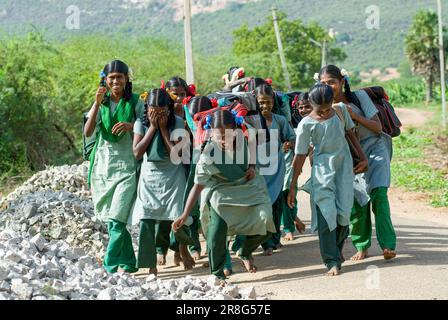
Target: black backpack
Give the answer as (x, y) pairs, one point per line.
(386, 112)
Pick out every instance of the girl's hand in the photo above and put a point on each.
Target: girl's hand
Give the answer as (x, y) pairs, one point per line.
(362, 167)
(250, 173)
(163, 121)
(122, 127)
(352, 113)
(286, 146)
(177, 224)
(153, 118)
(100, 95)
(292, 197)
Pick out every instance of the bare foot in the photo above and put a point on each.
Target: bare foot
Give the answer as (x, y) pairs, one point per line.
(222, 283)
(288, 236)
(360, 255)
(389, 254)
(249, 265)
(333, 272)
(268, 252)
(120, 270)
(228, 272)
(161, 259)
(187, 260)
(300, 226)
(177, 259)
(153, 271)
(196, 256)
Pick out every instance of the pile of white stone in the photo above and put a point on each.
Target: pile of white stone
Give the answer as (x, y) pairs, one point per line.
(56, 203)
(51, 245)
(38, 269)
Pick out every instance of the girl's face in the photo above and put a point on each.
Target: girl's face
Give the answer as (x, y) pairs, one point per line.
(223, 137)
(305, 108)
(116, 82)
(266, 104)
(181, 94)
(335, 84)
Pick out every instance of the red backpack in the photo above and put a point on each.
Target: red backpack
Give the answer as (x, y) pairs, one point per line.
(389, 119)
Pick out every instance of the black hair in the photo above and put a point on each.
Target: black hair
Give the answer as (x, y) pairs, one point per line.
(304, 96)
(120, 67)
(177, 82)
(231, 71)
(254, 83)
(223, 118)
(220, 118)
(160, 98)
(264, 90)
(199, 104)
(321, 95)
(335, 72)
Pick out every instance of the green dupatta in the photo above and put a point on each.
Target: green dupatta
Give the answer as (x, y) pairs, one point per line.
(124, 112)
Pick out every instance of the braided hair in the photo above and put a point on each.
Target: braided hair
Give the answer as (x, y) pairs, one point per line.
(336, 73)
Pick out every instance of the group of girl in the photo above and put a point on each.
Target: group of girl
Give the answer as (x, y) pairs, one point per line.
(221, 189)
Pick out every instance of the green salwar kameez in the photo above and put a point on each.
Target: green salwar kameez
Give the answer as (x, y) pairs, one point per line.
(113, 180)
(374, 183)
(231, 205)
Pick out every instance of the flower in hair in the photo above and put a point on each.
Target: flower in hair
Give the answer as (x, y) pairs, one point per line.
(162, 84)
(268, 81)
(103, 74)
(222, 102)
(208, 122)
(192, 89)
(238, 119)
(186, 101)
(316, 76)
(144, 96)
(172, 95)
(214, 103)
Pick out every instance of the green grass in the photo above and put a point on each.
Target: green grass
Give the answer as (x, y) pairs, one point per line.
(408, 169)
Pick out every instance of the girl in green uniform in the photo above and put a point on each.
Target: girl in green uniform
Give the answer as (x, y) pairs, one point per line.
(113, 168)
(165, 239)
(162, 182)
(370, 187)
(331, 174)
(234, 198)
(193, 106)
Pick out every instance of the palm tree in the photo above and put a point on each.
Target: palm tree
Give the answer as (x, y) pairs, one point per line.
(422, 48)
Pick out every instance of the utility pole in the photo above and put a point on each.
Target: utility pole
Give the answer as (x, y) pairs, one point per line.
(280, 50)
(188, 42)
(324, 53)
(442, 62)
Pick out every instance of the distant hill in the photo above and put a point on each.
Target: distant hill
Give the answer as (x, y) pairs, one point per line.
(214, 21)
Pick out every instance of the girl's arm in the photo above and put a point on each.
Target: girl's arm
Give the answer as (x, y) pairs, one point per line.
(91, 121)
(297, 164)
(191, 201)
(363, 165)
(141, 143)
(373, 124)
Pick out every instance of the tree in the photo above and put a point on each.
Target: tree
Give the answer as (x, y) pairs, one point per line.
(303, 57)
(422, 48)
